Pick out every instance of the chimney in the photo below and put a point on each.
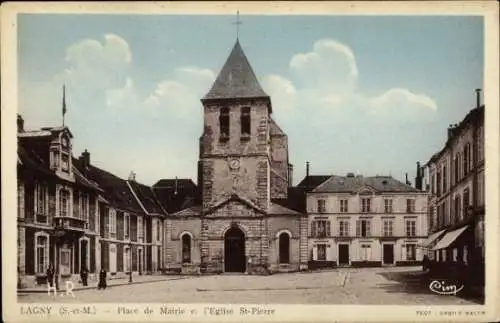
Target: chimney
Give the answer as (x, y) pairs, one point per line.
(85, 159)
(290, 175)
(131, 176)
(450, 130)
(418, 177)
(406, 179)
(307, 169)
(20, 123)
(478, 98)
(175, 191)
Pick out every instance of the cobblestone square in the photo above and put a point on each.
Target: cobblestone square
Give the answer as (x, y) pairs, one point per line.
(370, 286)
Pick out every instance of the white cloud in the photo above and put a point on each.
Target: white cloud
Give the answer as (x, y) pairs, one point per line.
(180, 94)
(107, 113)
(330, 66)
(325, 79)
(98, 66)
(282, 92)
(332, 109)
(403, 97)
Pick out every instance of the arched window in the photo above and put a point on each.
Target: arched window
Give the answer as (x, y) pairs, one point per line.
(284, 248)
(186, 248)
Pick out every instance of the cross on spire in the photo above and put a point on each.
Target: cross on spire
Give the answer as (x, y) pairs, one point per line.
(237, 23)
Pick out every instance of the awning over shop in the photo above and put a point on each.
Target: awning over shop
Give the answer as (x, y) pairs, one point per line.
(449, 238)
(432, 238)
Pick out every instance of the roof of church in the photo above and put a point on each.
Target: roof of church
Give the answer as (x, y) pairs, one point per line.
(275, 129)
(277, 209)
(354, 183)
(236, 79)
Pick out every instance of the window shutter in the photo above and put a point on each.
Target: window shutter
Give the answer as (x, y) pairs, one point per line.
(358, 228)
(313, 228)
(315, 253)
(328, 228)
(368, 225)
(369, 253)
(403, 252)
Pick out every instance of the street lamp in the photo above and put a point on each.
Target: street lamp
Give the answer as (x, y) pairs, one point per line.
(130, 262)
(129, 252)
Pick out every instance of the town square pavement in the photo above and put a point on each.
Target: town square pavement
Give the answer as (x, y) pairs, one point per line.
(371, 286)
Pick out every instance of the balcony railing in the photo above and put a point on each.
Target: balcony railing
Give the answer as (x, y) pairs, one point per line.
(70, 223)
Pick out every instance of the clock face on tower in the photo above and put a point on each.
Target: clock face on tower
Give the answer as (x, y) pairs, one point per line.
(234, 164)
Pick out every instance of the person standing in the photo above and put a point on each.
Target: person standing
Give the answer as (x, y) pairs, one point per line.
(102, 279)
(84, 273)
(50, 275)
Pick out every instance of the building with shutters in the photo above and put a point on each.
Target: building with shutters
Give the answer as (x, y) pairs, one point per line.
(365, 221)
(72, 214)
(457, 198)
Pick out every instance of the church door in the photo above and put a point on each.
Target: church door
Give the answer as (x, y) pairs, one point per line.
(234, 251)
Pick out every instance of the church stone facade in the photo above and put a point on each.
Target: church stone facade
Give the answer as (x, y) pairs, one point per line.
(241, 220)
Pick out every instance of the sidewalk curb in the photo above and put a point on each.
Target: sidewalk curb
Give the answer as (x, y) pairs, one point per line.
(32, 290)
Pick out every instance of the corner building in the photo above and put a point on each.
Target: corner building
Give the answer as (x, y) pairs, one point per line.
(242, 217)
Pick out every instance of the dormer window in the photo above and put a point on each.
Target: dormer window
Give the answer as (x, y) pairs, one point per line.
(65, 162)
(64, 142)
(245, 123)
(224, 124)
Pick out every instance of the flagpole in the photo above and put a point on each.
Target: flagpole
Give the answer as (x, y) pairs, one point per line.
(64, 104)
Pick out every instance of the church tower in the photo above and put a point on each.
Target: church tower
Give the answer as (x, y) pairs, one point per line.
(235, 144)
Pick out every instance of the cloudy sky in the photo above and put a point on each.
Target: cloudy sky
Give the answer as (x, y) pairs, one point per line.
(370, 95)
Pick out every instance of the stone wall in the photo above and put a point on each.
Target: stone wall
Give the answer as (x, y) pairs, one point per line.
(174, 231)
(251, 177)
(291, 226)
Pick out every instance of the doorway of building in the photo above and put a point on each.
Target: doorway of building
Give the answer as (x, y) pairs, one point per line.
(234, 250)
(343, 254)
(83, 254)
(388, 254)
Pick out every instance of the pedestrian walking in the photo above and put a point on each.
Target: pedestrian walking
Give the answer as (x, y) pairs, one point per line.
(102, 279)
(50, 275)
(425, 263)
(84, 274)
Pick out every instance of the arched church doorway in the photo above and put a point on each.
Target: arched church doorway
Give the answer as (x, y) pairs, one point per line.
(234, 250)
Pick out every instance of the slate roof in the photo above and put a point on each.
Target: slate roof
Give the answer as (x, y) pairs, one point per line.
(277, 209)
(275, 130)
(33, 155)
(175, 197)
(296, 199)
(190, 211)
(115, 189)
(353, 184)
(146, 197)
(236, 79)
(312, 181)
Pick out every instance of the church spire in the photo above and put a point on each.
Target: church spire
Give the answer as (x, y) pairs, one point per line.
(236, 79)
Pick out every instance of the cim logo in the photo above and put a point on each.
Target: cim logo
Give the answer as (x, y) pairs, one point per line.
(442, 288)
